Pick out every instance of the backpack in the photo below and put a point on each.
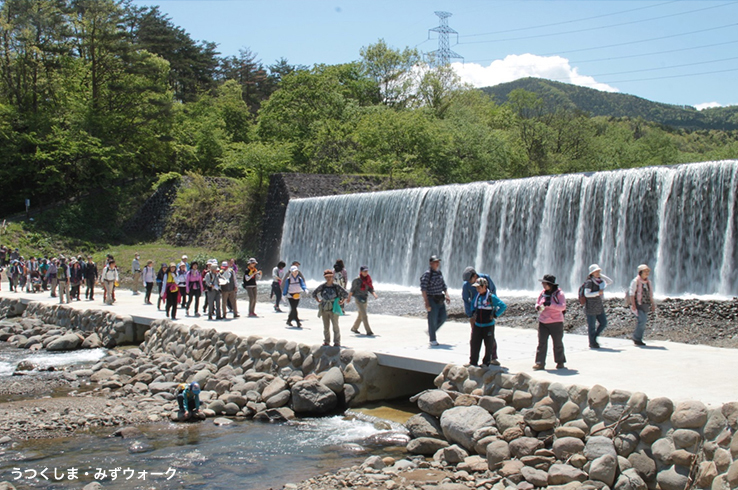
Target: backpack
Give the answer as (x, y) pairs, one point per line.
(582, 297)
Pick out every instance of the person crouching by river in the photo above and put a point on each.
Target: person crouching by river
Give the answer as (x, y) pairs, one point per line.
(330, 298)
(188, 399)
(486, 306)
(360, 289)
(293, 286)
(640, 295)
(551, 305)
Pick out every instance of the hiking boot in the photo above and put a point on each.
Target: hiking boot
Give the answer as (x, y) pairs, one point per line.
(560, 365)
(538, 367)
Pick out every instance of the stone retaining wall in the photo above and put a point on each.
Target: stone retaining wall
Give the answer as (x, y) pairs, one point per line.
(537, 433)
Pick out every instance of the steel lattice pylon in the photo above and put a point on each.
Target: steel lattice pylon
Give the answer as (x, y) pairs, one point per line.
(443, 55)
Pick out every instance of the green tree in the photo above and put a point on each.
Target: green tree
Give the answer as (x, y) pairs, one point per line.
(391, 69)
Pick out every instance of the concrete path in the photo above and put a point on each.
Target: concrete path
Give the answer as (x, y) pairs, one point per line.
(678, 371)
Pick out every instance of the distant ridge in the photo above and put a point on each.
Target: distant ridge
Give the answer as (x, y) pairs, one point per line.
(599, 103)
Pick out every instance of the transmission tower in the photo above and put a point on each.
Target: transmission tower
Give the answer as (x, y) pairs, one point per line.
(443, 55)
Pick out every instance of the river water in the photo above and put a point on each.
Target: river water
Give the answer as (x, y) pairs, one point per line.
(246, 454)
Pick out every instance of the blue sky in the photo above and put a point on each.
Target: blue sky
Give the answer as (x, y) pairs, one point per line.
(674, 51)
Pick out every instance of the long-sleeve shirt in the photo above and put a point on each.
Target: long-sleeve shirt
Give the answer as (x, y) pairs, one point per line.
(194, 281)
(553, 313)
(487, 306)
(148, 275)
(432, 283)
(468, 292)
(329, 293)
(592, 288)
(292, 285)
(277, 275)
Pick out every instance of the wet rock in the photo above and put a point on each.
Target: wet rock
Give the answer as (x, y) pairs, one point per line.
(138, 447)
(69, 341)
(426, 446)
(25, 365)
(424, 425)
(311, 396)
(129, 432)
(222, 421)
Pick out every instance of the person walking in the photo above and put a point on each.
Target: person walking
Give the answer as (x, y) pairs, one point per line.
(361, 288)
(486, 307)
(136, 271)
(148, 277)
(51, 275)
(640, 295)
(252, 275)
(294, 285)
(435, 295)
(468, 293)
(330, 297)
(182, 271)
(594, 308)
(109, 278)
(277, 276)
(171, 294)
(90, 278)
(211, 281)
(551, 305)
(228, 289)
(62, 276)
(76, 276)
(194, 288)
(160, 276)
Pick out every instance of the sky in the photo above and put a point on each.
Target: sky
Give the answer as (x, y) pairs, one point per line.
(681, 52)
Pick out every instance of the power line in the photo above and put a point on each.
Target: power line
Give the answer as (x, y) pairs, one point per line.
(600, 27)
(664, 67)
(568, 21)
(641, 41)
(672, 76)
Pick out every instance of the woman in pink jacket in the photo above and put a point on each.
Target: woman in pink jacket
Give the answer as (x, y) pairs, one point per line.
(551, 305)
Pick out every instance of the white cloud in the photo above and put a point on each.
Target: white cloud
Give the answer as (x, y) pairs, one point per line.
(707, 105)
(516, 66)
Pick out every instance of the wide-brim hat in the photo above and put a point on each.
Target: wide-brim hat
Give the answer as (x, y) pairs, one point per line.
(643, 267)
(548, 278)
(594, 268)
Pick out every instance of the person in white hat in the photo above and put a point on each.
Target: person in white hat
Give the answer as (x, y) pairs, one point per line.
(594, 308)
(640, 295)
(252, 275)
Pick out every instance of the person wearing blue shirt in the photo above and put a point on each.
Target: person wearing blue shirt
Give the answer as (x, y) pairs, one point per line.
(485, 307)
(468, 292)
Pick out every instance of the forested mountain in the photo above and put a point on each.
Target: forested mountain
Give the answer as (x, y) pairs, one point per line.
(95, 93)
(598, 103)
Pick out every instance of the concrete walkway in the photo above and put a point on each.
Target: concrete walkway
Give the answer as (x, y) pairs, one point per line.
(677, 371)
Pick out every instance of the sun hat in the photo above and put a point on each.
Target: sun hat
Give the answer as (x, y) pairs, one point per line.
(468, 273)
(252, 261)
(549, 279)
(184, 257)
(643, 267)
(294, 268)
(594, 268)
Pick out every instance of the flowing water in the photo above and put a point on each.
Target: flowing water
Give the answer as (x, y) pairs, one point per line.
(682, 220)
(246, 455)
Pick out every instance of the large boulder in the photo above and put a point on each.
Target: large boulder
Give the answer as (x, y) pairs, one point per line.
(435, 402)
(69, 341)
(659, 409)
(424, 425)
(92, 341)
(689, 415)
(333, 379)
(311, 396)
(459, 424)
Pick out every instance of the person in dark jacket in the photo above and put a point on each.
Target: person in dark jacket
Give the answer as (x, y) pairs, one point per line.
(90, 278)
(594, 308)
(361, 288)
(485, 307)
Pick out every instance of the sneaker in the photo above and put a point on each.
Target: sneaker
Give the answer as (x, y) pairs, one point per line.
(538, 367)
(355, 330)
(434, 343)
(289, 324)
(253, 315)
(639, 343)
(594, 345)
(494, 362)
(560, 365)
(370, 334)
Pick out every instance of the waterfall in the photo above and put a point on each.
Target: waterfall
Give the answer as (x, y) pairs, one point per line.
(682, 220)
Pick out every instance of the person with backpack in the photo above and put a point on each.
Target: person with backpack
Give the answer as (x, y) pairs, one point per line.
(294, 285)
(551, 305)
(171, 294)
(194, 288)
(227, 282)
(90, 278)
(212, 291)
(468, 292)
(109, 278)
(361, 287)
(486, 307)
(640, 295)
(435, 296)
(330, 297)
(591, 294)
(188, 399)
